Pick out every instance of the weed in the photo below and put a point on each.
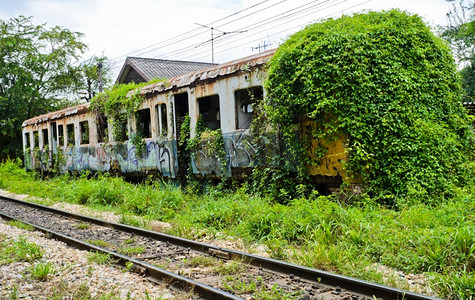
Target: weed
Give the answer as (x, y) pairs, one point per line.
(129, 241)
(13, 295)
(229, 268)
(21, 225)
(100, 258)
(82, 226)
(20, 250)
(42, 271)
(128, 250)
(133, 221)
(202, 261)
(100, 243)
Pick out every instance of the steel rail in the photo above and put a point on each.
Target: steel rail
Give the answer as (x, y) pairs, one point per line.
(154, 272)
(318, 276)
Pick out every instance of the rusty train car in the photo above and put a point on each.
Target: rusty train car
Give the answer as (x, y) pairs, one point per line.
(75, 139)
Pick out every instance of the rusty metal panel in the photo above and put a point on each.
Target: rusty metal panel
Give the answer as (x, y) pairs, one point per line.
(210, 74)
(70, 111)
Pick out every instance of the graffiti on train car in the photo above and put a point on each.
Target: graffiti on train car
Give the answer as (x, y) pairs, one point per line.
(241, 152)
(160, 156)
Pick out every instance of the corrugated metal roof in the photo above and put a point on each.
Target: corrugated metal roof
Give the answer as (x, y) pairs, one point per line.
(193, 78)
(211, 73)
(149, 68)
(70, 111)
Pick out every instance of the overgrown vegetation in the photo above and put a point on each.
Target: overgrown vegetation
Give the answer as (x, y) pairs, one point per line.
(119, 103)
(436, 241)
(383, 80)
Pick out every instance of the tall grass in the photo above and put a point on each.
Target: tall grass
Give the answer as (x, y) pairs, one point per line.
(321, 232)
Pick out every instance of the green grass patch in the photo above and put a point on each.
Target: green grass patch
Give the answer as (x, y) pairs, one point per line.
(131, 250)
(100, 258)
(21, 225)
(82, 226)
(42, 271)
(100, 243)
(19, 250)
(434, 240)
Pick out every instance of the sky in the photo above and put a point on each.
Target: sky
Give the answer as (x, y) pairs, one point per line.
(184, 29)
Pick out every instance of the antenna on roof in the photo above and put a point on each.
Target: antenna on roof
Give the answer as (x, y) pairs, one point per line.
(213, 37)
(262, 45)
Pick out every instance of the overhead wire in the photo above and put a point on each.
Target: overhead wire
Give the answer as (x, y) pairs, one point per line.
(277, 20)
(292, 28)
(191, 31)
(249, 27)
(297, 14)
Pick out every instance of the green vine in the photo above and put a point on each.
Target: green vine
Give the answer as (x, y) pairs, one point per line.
(140, 144)
(387, 84)
(120, 102)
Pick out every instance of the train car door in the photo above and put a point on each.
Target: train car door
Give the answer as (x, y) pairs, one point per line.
(181, 109)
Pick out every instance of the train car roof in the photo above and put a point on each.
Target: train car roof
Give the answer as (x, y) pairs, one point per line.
(190, 79)
(210, 74)
(70, 111)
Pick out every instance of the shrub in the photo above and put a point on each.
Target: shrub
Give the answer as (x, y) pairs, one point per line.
(388, 84)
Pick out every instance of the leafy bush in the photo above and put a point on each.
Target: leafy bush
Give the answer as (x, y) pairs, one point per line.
(388, 84)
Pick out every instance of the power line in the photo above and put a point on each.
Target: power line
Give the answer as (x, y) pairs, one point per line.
(276, 18)
(250, 27)
(190, 31)
(228, 38)
(185, 38)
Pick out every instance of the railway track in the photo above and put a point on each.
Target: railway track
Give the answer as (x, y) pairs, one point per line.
(209, 271)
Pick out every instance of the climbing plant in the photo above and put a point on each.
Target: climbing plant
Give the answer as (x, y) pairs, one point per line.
(388, 84)
(119, 102)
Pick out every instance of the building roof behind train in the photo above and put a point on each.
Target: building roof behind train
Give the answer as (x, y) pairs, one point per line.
(138, 69)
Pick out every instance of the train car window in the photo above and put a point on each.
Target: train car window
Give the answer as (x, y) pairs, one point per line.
(45, 138)
(70, 134)
(36, 139)
(162, 123)
(27, 139)
(54, 132)
(119, 128)
(245, 100)
(209, 111)
(102, 128)
(143, 123)
(60, 135)
(84, 132)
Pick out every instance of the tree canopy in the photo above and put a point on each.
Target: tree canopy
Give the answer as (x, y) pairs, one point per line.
(38, 69)
(390, 85)
(460, 33)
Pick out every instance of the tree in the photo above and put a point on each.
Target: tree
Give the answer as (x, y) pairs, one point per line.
(90, 71)
(389, 85)
(38, 70)
(460, 33)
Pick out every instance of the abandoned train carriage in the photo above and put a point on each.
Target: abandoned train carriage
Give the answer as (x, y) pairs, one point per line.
(77, 138)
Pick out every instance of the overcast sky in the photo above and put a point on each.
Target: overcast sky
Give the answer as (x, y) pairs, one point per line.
(168, 29)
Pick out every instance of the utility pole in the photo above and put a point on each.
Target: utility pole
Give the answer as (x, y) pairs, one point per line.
(213, 38)
(99, 73)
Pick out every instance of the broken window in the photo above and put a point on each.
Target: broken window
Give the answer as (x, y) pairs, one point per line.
(209, 111)
(119, 127)
(45, 138)
(27, 140)
(245, 100)
(143, 123)
(161, 112)
(54, 133)
(60, 135)
(102, 128)
(70, 134)
(36, 139)
(84, 132)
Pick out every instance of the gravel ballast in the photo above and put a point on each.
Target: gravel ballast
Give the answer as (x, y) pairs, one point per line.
(73, 273)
